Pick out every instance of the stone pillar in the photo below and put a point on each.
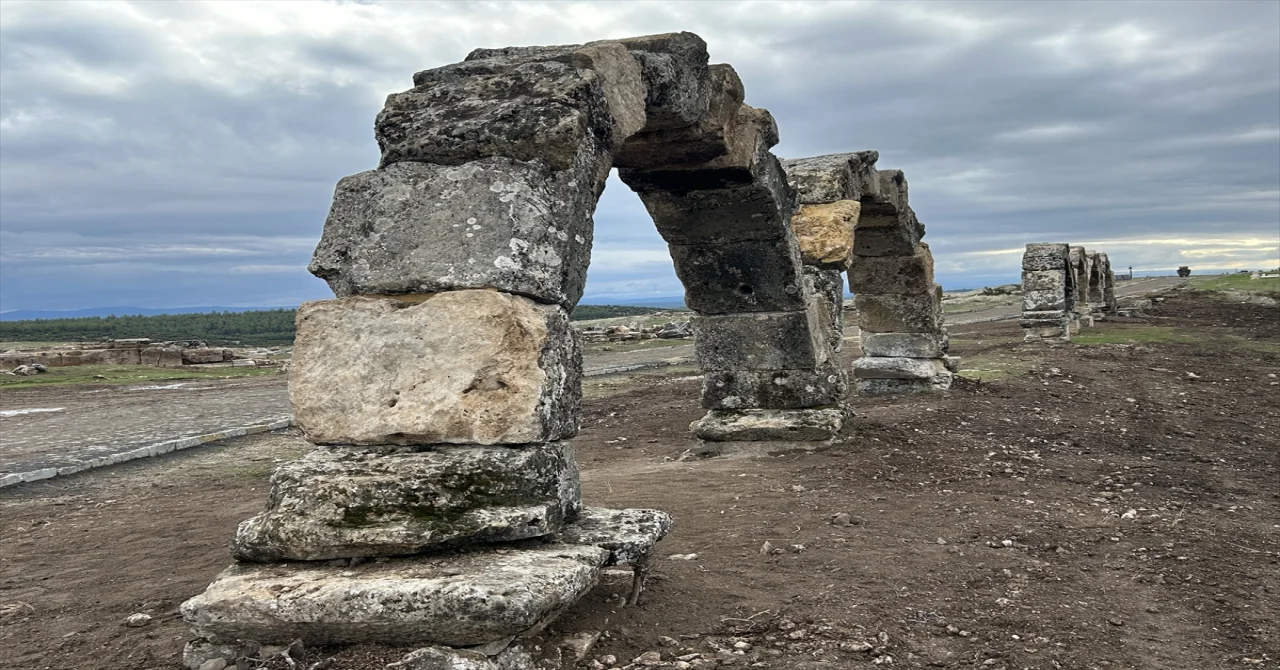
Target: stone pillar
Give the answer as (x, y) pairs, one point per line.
(442, 382)
(1109, 304)
(762, 330)
(904, 343)
(1048, 293)
(1096, 282)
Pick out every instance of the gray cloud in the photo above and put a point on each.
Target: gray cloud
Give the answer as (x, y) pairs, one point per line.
(167, 154)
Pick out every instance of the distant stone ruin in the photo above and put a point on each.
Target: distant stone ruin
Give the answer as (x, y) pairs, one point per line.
(442, 381)
(904, 343)
(1063, 287)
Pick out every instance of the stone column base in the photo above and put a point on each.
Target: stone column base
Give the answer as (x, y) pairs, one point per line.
(757, 425)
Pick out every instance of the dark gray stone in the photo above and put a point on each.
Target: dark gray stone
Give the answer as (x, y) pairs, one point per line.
(876, 367)
(748, 276)
(676, 74)
(774, 389)
(769, 425)
(545, 111)
(494, 223)
(881, 234)
(827, 285)
(892, 274)
(910, 345)
(703, 141)
(759, 341)
(874, 387)
(823, 179)
(459, 600)
(900, 313)
(629, 535)
(346, 502)
(1044, 280)
(1045, 256)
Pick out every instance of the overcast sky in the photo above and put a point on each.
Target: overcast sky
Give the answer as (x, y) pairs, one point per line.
(165, 154)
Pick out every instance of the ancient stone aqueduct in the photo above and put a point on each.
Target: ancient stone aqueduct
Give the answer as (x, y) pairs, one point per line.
(442, 382)
(1062, 286)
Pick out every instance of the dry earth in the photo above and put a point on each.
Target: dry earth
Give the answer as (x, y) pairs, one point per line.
(1111, 503)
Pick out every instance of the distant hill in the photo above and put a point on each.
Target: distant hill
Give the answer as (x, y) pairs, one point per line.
(31, 314)
(660, 302)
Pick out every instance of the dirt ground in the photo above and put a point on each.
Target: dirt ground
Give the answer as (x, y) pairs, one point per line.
(1113, 503)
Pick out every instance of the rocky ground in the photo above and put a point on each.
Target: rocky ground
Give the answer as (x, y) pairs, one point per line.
(1110, 503)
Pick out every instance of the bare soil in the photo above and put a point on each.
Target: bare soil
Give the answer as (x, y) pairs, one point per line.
(1106, 505)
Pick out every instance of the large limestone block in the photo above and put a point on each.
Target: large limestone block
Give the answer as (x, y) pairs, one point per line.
(706, 139)
(622, 78)
(345, 502)
(458, 600)
(746, 276)
(900, 312)
(1045, 256)
(477, 109)
(1044, 280)
(468, 367)
(676, 75)
(876, 367)
(629, 535)
(1044, 300)
(762, 425)
(908, 345)
(874, 387)
(825, 179)
(718, 202)
(825, 232)
(419, 228)
(759, 341)
(774, 389)
(881, 234)
(893, 274)
(827, 287)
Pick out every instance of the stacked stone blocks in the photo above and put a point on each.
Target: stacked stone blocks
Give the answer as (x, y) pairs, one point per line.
(1063, 288)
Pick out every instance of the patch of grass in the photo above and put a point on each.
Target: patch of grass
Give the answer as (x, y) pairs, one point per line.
(124, 374)
(1237, 282)
(1133, 336)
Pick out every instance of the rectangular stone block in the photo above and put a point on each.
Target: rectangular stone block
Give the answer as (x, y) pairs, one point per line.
(827, 286)
(345, 502)
(1060, 332)
(887, 234)
(1044, 280)
(910, 345)
(706, 139)
(900, 313)
(462, 367)
(747, 276)
(874, 367)
(759, 341)
(769, 425)
(875, 387)
(893, 274)
(825, 232)
(824, 179)
(776, 389)
(422, 228)
(1045, 256)
(676, 75)
(1047, 300)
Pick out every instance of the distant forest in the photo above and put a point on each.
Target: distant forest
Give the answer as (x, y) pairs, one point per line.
(262, 328)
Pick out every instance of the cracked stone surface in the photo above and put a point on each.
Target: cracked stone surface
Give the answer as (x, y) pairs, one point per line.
(629, 535)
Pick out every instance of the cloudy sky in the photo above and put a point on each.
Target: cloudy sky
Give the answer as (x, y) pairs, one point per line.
(166, 154)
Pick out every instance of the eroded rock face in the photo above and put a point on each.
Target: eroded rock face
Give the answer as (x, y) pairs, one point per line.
(760, 341)
(494, 223)
(769, 424)
(704, 140)
(893, 274)
(900, 313)
(776, 389)
(825, 179)
(462, 367)
(747, 276)
(676, 76)
(827, 286)
(457, 600)
(345, 502)
(629, 535)
(884, 367)
(825, 232)
(909, 345)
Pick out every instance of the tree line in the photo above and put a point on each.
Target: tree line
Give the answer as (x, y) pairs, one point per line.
(259, 328)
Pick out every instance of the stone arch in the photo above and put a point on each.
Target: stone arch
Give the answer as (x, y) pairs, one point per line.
(490, 172)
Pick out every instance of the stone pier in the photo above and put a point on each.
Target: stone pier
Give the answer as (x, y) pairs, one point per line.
(441, 506)
(1049, 293)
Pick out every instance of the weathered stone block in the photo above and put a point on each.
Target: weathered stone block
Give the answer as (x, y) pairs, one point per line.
(676, 76)
(824, 179)
(345, 502)
(759, 341)
(827, 286)
(747, 276)
(1044, 280)
(706, 139)
(881, 234)
(478, 109)
(874, 387)
(471, 367)
(893, 274)
(773, 389)
(1035, 332)
(621, 76)
(1046, 300)
(1045, 256)
(825, 232)
(909, 345)
(900, 313)
(165, 357)
(420, 228)
(629, 535)
(758, 425)
(717, 204)
(458, 600)
(874, 367)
